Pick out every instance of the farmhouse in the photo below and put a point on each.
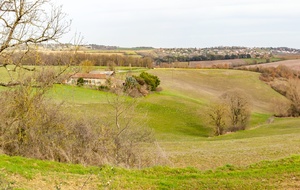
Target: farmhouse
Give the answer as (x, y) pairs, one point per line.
(93, 78)
(88, 78)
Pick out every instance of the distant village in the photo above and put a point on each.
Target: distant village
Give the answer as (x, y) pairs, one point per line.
(184, 54)
(226, 50)
(215, 53)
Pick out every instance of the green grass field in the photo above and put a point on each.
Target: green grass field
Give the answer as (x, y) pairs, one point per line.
(21, 173)
(177, 115)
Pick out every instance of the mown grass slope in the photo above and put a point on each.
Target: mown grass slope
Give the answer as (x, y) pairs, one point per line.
(208, 84)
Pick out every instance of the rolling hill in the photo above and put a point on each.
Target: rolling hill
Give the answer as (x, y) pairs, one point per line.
(177, 116)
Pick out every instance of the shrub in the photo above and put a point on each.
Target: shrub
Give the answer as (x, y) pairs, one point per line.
(151, 80)
(285, 72)
(103, 88)
(130, 83)
(33, 127)
(80, 81)
(139, 79)
(293, 94)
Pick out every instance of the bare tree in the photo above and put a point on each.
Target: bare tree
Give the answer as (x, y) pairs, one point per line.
(127, 134)
(231, 114)
(26, 23)
(238, 109)
(217, 116)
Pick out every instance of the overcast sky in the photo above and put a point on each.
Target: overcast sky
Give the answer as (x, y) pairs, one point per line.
(186, 23)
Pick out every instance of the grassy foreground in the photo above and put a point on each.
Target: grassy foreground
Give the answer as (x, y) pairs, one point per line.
(21, 173)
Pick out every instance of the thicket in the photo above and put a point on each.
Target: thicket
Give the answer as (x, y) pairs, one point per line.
(293, 94)
(208, 57)
(141, 85)
(286, 82)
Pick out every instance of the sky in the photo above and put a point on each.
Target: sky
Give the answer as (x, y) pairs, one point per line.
(185, 23)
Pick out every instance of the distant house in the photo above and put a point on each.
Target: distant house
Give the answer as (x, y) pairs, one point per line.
(93, 78)
(88, 78)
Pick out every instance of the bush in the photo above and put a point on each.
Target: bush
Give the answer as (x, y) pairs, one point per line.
(130, 83)
(140, 80)
(103, 88)
(151, 80)
(33, 127)
(293, 94)
(80, 81)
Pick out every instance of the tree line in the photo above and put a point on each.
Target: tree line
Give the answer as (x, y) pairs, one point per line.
(58, 58)
(208, 57)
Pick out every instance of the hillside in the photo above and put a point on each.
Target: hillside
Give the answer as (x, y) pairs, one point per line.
(190, 91)
(183, 136)
(177, 115)
(207, 85)
(177, 110)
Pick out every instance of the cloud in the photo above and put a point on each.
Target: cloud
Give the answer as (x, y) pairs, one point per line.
(184, 22)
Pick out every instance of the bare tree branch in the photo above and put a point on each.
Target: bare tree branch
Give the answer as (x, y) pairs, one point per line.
(24, 23)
